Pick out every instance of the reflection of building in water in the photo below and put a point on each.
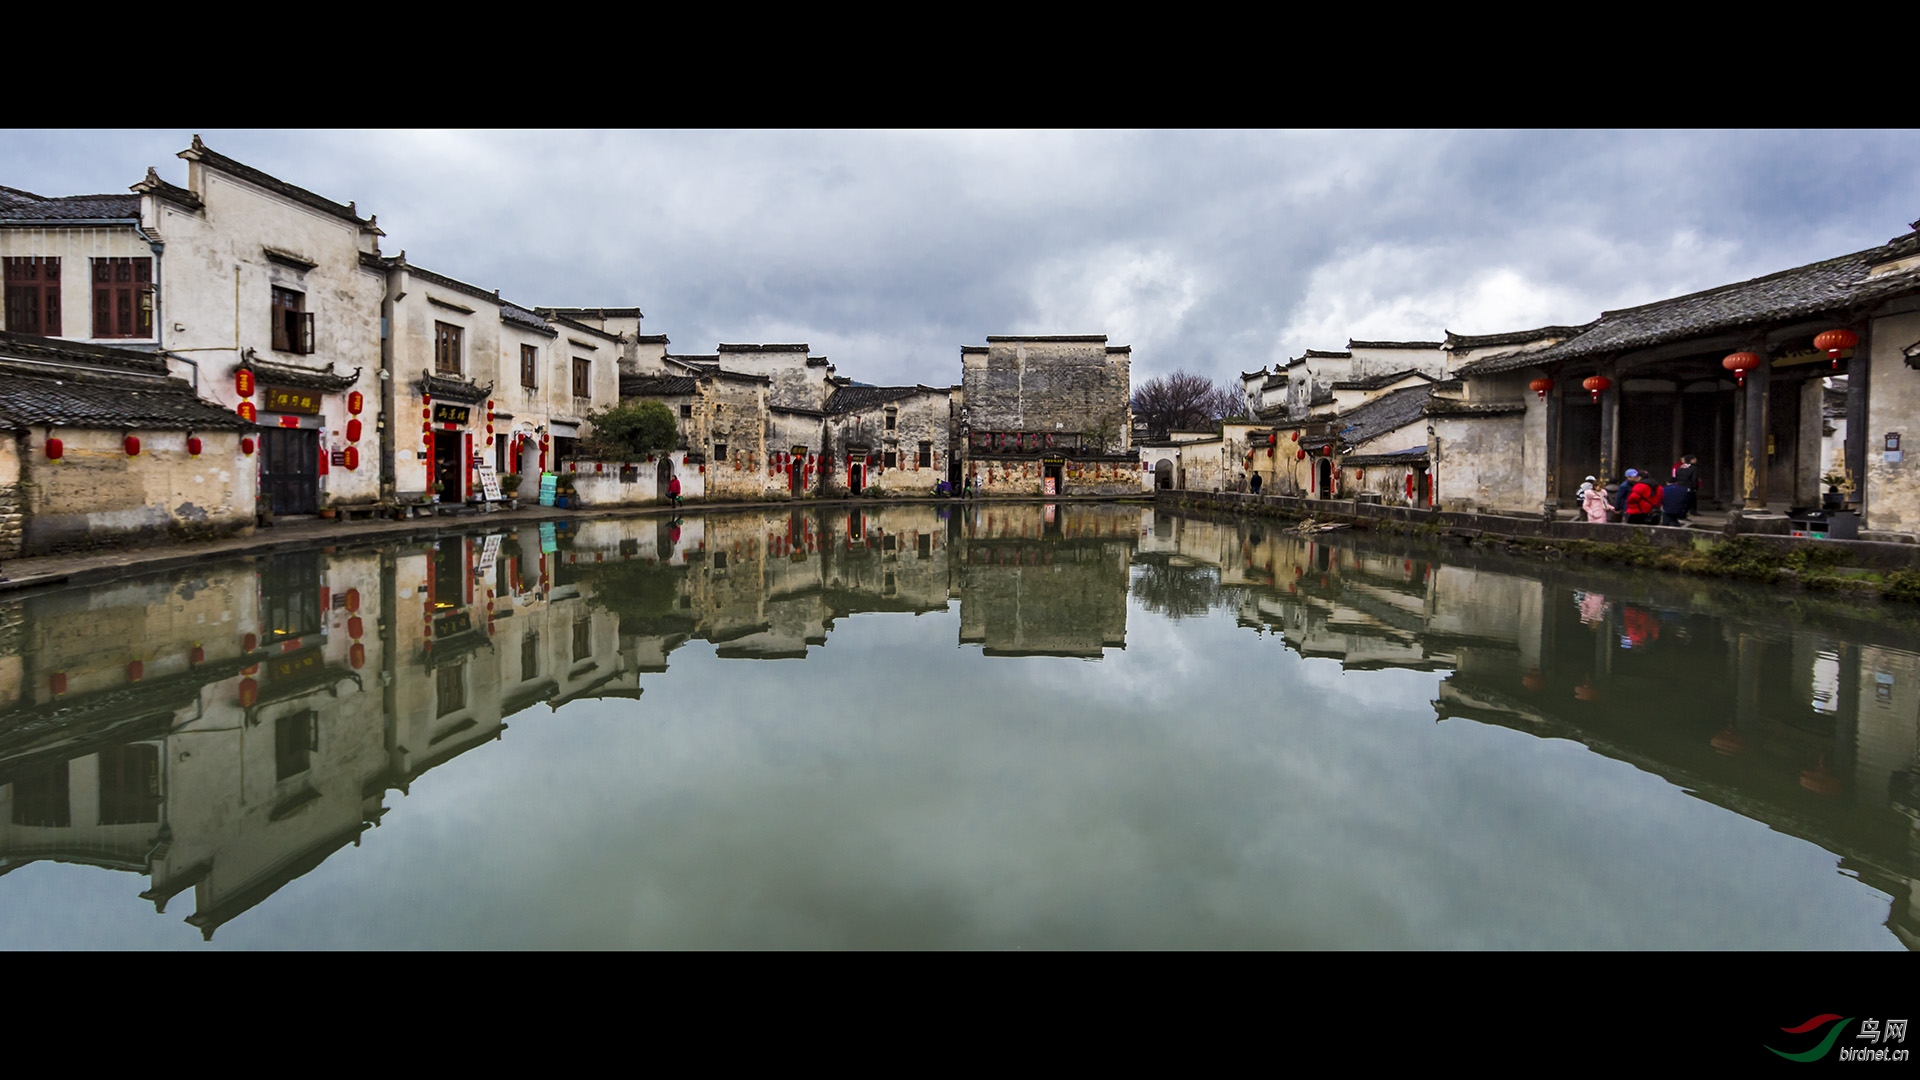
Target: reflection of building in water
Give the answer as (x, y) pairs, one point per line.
(1816, 736)
(1046, 580)
(216, 731)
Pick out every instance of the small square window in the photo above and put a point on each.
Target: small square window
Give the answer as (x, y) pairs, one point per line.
(686, 412)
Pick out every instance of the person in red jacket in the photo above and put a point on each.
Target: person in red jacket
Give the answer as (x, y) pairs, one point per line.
(1643, 506)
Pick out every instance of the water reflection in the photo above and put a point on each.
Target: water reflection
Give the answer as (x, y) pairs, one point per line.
(229, 730)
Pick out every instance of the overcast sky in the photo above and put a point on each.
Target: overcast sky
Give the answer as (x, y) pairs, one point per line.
(1214, 251)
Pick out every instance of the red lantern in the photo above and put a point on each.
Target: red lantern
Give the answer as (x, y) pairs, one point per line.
(357, 655)
(55, 448)
(353, 431)
(132, 443)
(355, 627)
(246, 446)
(249, 693)
(58, 682)
(249, 643)
(243, 382)
(1834, 341)
(352, 600)
(353, 458)
(426, 399)
(1295, 436)
(426, 414)
(355, 402)
(193, 445)
(1541, 386)
(1594, 384)
(1299, 455)
(1740, 363)
(1327, 450)
(489, 406)
(135, 670)
(247, 412)
(197, 656)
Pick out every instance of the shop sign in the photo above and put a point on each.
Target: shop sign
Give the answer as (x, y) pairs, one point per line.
(280, 399)
(450, 414)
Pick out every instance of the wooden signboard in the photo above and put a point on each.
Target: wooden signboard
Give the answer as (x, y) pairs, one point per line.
(281, 399)
(489, 483)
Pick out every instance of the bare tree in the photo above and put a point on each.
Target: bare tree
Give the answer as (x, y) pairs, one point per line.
(1184, 401)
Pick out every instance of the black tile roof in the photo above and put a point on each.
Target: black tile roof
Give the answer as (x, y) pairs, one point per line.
(763, 348)
(854, 398)
(1513, 337)
(1375, 382)
(200, 152)
(652, 339)
(600, 312)
(18, 205)
(47, 350)
(1326, 354)
(455, 284)
(1381, 415)
(1448, 407)
(33, 394)
(173, 193)
(559, 315)
(1834, 286)
(294, 375)
(450, 389)
(657, 385)
(519, 316)
(1352, 344)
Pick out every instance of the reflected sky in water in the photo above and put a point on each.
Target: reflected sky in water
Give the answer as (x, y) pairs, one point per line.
(1109, 729)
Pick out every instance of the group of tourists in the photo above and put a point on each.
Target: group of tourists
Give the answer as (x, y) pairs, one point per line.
(1640, 499)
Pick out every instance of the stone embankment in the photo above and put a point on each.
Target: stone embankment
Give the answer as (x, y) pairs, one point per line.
(1860, 567)
(288, 534)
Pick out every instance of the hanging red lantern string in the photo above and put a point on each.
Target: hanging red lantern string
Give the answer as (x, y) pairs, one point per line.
(1541, 386)
(1594, 384)
(1834, 342)
(1740, 363)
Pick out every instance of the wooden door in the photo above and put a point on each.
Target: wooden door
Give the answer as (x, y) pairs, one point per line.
(290, 470)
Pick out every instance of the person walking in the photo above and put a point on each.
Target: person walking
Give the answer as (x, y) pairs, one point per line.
(673, 491)
(1254, 482)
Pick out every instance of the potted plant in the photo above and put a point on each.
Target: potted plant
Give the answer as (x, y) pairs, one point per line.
(1833, 499)
(326, 507)
(438, 487)
(510, 485)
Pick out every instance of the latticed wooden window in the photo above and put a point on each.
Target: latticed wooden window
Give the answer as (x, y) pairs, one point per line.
(450, 689)
(122, 298)
(529, 367)
(292, 322)
(582, 377)
(295, 738)
(33, 295)
(926, 455)
(446, 349)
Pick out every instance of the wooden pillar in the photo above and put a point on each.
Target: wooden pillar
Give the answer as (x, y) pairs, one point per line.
(1858, 377)
(1610, 428)
(1554, 410)
(1736, 486)
(1753, 486)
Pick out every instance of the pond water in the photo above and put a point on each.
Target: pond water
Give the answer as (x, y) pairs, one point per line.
(1009, 726)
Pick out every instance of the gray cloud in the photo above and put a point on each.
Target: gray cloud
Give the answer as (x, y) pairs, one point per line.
(1217, 251)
